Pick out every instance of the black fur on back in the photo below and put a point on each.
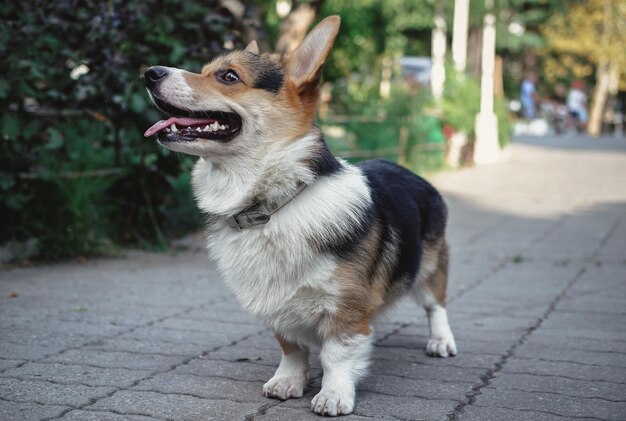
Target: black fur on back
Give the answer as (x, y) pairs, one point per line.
(407, 205)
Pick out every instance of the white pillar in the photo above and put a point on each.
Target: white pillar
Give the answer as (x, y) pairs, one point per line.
(459, 34)
(486, 147)
(438, 54)
(459, 56)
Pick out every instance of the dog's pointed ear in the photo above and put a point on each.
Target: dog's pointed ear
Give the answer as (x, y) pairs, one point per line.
(253, 47)
(304, 65)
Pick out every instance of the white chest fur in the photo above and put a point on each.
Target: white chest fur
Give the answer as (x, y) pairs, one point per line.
(274, 270)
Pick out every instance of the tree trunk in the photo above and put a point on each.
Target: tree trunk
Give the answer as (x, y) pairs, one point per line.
(295, 26)
(600, 94)
(498, 77)
(474, 51)
(249, 20)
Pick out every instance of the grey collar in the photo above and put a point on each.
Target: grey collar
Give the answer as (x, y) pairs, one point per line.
(260, 213)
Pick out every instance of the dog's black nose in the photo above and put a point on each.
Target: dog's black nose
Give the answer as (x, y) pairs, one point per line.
(154, 74)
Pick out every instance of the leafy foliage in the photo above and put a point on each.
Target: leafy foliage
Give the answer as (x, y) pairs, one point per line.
(372, 28)
(378, 128)
(75, 170)
(583, 35)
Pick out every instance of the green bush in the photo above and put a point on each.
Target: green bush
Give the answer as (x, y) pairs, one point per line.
(378, 127)
(75, 171)
(461, 103)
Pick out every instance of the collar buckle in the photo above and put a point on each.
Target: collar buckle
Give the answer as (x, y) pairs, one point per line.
(254, 215)
(258, 213)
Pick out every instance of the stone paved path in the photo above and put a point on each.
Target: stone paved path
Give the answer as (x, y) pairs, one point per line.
(537, 303)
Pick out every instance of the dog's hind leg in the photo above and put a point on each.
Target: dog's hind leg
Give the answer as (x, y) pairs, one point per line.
(430, 292)
(292, 375)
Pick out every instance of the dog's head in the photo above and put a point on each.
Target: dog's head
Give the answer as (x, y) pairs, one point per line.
(242, 99)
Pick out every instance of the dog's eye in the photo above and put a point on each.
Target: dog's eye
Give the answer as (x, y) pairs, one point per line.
(229, 76)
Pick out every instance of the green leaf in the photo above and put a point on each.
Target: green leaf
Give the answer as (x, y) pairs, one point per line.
(177, 53)
(6, 181)
(137, 103)
(4, 88)
(15, 200)
(10, 126)
(55, 139)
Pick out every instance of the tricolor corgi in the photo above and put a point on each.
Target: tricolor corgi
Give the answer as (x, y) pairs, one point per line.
(313, 246)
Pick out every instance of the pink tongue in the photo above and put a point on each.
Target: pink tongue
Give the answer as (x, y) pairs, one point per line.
(179, 121)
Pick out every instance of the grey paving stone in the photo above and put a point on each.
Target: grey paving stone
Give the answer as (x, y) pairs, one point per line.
(587, 303)
(78, 374)
(237, 371)
(574, 332)
(548, 341)
(8, 364)
(233, 330)
(264, 340)
(147, 346)
(474, 346)
(119, 312)
(565, 369)
(496, 413)
(28, 352)
(174, 407)
(33, 336)
(28, 411)
(278, 413)
(422, 388)
(560, 385)
(426, 371)
(46, 393)
(117, 360)
(230, 312)
(239, 353)
(610, 323)
(501, 337)
(68, 328)
(79, 415)
(553, 403)
(205, 387)
(371, 404)
(577, 356)
(209, 339)
(419, 356)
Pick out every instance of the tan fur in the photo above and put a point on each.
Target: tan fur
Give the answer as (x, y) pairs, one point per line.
(294, 109)
(437, 281)
(364, 283)
(287, 347)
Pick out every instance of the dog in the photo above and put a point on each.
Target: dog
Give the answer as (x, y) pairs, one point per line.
(313, 246)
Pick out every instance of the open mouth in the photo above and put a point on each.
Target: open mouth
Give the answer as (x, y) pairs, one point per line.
(187, 126)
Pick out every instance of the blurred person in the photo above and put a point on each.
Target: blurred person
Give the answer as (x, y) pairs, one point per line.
(577, 105)
(560, 113)
(528, 96)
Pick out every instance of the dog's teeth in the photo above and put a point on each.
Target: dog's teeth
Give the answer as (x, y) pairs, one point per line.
(174, 128)
(206, 128)
(167, 130)
(198, 129)
(215, 125)
(222, 127)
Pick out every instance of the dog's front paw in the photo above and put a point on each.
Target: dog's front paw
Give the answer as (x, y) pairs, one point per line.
(333, 403)
(441, 346)
(285, 387)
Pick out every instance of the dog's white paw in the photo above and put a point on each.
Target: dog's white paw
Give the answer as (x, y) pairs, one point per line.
(441, 347)
(285, 387)
(333, 403)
